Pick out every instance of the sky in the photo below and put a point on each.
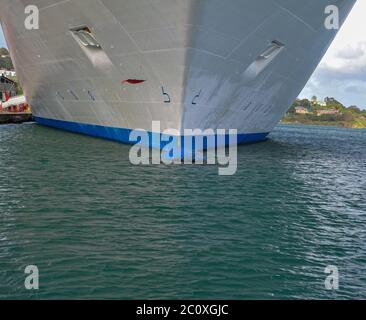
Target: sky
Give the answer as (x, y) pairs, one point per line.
(2, 40)
(342, 72)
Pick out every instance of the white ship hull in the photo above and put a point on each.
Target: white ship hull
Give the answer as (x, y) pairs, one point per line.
(233, 64)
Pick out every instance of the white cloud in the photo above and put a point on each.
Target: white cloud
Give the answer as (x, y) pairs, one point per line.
(2, 40)
(342, 72)
(352, 52)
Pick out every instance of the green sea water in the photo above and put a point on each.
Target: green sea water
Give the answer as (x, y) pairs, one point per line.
(100, 228)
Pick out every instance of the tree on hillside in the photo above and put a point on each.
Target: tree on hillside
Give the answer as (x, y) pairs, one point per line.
(305, 103)
(6, 63)
(354, 109)
(4, 52)
(334, 104)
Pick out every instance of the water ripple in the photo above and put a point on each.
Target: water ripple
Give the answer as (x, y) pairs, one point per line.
(100, 228)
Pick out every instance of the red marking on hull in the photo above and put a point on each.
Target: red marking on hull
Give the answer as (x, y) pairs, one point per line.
(132, 81)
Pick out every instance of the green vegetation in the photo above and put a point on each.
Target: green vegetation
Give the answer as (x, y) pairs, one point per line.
(329, 113)
(5, 60)
(4, 51)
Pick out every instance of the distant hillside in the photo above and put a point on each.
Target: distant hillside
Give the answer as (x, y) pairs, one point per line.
(4, 51)
(314, 112)
(5, 60)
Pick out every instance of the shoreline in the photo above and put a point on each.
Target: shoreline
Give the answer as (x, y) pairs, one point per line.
(320, 124)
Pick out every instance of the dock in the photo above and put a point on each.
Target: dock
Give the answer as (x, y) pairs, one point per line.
(15, 117)
(15, 110)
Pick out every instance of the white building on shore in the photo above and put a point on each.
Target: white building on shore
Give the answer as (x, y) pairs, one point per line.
(8, 73)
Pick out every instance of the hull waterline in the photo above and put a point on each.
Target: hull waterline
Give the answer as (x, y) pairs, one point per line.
(189, 64)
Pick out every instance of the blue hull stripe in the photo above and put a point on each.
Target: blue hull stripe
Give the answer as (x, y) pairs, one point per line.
(122, 135)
